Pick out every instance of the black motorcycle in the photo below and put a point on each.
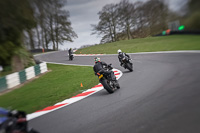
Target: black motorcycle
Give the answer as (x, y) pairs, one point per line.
(14, 122)
(106, 79)
(71, 57)
(127, 63)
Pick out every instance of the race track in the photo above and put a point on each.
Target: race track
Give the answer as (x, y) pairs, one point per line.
(162, 95)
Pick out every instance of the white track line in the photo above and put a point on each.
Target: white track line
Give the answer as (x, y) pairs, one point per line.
(157, 52)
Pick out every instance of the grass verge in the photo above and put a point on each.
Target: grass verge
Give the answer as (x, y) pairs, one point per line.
(150, 44)
(61, 83)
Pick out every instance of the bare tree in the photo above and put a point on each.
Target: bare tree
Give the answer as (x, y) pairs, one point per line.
(107, 24)
(140, 20)
(126, 18)
(31, 38)
(156, 16)
(53, 24)
(60, 25)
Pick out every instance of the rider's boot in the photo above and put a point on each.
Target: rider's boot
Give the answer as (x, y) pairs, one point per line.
(117, 84)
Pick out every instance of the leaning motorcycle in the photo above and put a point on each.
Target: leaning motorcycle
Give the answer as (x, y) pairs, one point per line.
(106, 80)
(127, 63)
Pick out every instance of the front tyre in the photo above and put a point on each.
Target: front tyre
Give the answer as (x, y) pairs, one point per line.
(106, 85)
(129, 66)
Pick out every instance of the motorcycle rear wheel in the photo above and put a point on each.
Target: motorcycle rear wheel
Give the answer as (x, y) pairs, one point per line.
(71, 57)
(106, 85)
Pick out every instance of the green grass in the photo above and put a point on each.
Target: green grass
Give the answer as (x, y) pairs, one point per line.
(150, 44)
(61, 83)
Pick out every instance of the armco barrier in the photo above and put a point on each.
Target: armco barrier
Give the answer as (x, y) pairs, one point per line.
(12, 80)
(30, 73)
(17, 78)
(3, 84)
(43, 67)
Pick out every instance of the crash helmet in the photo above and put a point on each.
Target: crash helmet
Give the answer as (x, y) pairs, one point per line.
(97, 59)
(119, 51)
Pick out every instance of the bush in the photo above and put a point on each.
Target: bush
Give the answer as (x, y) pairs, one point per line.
(193, 22)
(6, 50)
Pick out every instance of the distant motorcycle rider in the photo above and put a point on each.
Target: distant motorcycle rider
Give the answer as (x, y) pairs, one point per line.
(121, 55)
(70, 51)
(102, 66)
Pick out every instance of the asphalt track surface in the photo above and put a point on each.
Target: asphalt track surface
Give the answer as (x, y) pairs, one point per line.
(161, 95)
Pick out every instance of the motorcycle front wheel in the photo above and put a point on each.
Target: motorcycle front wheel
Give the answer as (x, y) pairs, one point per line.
(129, 67)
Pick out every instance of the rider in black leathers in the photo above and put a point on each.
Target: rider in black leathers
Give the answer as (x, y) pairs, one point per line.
(121, 55)
(102, 66)
(70, 51)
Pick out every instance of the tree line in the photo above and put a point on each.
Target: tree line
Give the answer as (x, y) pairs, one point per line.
(31, 24)
(53, 26)
(126, 20)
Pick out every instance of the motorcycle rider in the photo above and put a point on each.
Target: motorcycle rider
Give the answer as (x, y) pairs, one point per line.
(121, 55)
(70, 51)
(102, 66)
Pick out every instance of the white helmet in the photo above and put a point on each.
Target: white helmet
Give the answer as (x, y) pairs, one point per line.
(119, 51)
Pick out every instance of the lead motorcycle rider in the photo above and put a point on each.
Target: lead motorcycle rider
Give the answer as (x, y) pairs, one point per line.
(102, 66)
(121, 55)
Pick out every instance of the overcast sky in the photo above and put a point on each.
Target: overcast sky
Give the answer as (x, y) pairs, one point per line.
(83, 13)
